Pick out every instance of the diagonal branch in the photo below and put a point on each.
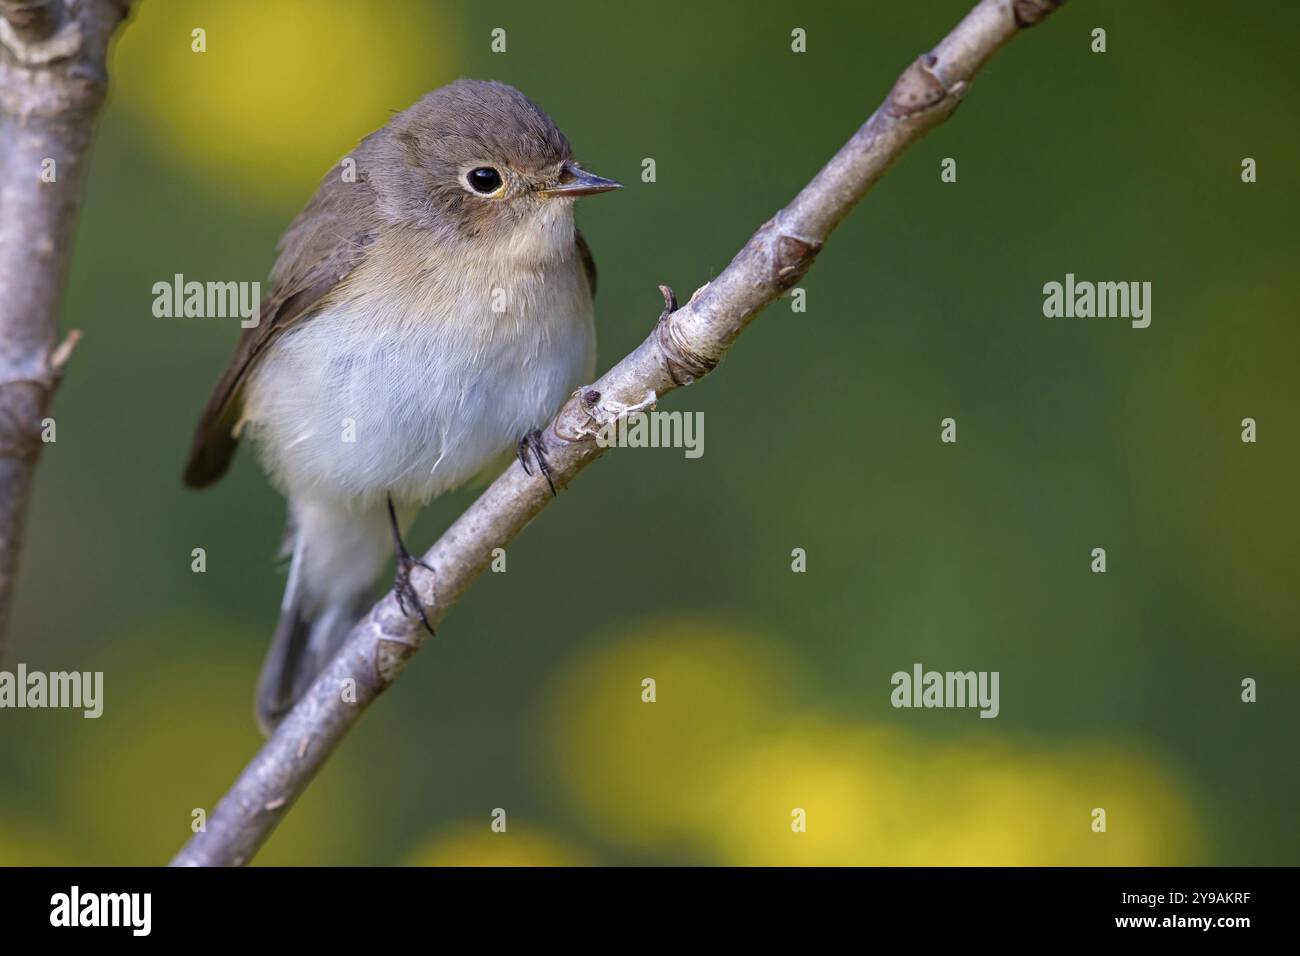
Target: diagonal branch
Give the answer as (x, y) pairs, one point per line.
(686, 344)
(52, 82)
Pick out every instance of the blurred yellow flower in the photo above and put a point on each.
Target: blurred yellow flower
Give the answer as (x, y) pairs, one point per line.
(282, 90)
(811, 795)
(640, 771)
(473, 844)
(884, 798)
(987, 804)
(718, 763)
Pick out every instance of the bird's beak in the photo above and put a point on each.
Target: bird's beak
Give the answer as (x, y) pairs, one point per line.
(575, 181)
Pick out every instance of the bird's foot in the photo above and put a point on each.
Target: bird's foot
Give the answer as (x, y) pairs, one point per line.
(405, 563)
(531, 444)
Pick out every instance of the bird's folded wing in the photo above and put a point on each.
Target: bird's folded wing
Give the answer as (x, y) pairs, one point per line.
(319, 250)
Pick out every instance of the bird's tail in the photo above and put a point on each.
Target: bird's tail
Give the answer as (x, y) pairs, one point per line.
(322, 603)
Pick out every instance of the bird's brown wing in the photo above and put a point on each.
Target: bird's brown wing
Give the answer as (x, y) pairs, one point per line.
(322, 246)
(588, 261)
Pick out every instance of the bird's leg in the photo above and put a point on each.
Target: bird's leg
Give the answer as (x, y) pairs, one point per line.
(532, 444)
(402, 578)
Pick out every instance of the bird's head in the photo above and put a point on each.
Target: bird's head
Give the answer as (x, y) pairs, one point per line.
(479, 161)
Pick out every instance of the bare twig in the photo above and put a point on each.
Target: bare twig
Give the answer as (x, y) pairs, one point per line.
(685, 344)
(52, 82)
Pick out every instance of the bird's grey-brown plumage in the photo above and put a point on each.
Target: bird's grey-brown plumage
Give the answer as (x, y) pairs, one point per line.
(318, 251)
(386, 313)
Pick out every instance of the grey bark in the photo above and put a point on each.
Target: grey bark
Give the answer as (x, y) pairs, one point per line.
(52, 82)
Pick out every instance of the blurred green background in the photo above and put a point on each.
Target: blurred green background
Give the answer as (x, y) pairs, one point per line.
(1119, 690)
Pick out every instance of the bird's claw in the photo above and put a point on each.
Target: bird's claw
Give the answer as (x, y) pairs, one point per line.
(532, 444)
(402, 585)
(405, 590)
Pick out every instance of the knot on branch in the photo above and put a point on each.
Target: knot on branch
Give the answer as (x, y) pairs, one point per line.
(1029, 12)
(21, 416)
(917, 90)
(391, 655)
(32, 20)
(791, 258)
(37, 32)
(684, 363)
(393, 646)
(20, 435)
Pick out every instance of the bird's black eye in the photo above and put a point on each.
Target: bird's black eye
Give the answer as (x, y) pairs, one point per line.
(485, 179)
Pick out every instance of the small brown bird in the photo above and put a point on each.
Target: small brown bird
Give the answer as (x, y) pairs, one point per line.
(428, 315)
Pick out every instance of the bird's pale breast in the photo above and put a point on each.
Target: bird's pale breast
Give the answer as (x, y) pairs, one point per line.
(416, 375)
